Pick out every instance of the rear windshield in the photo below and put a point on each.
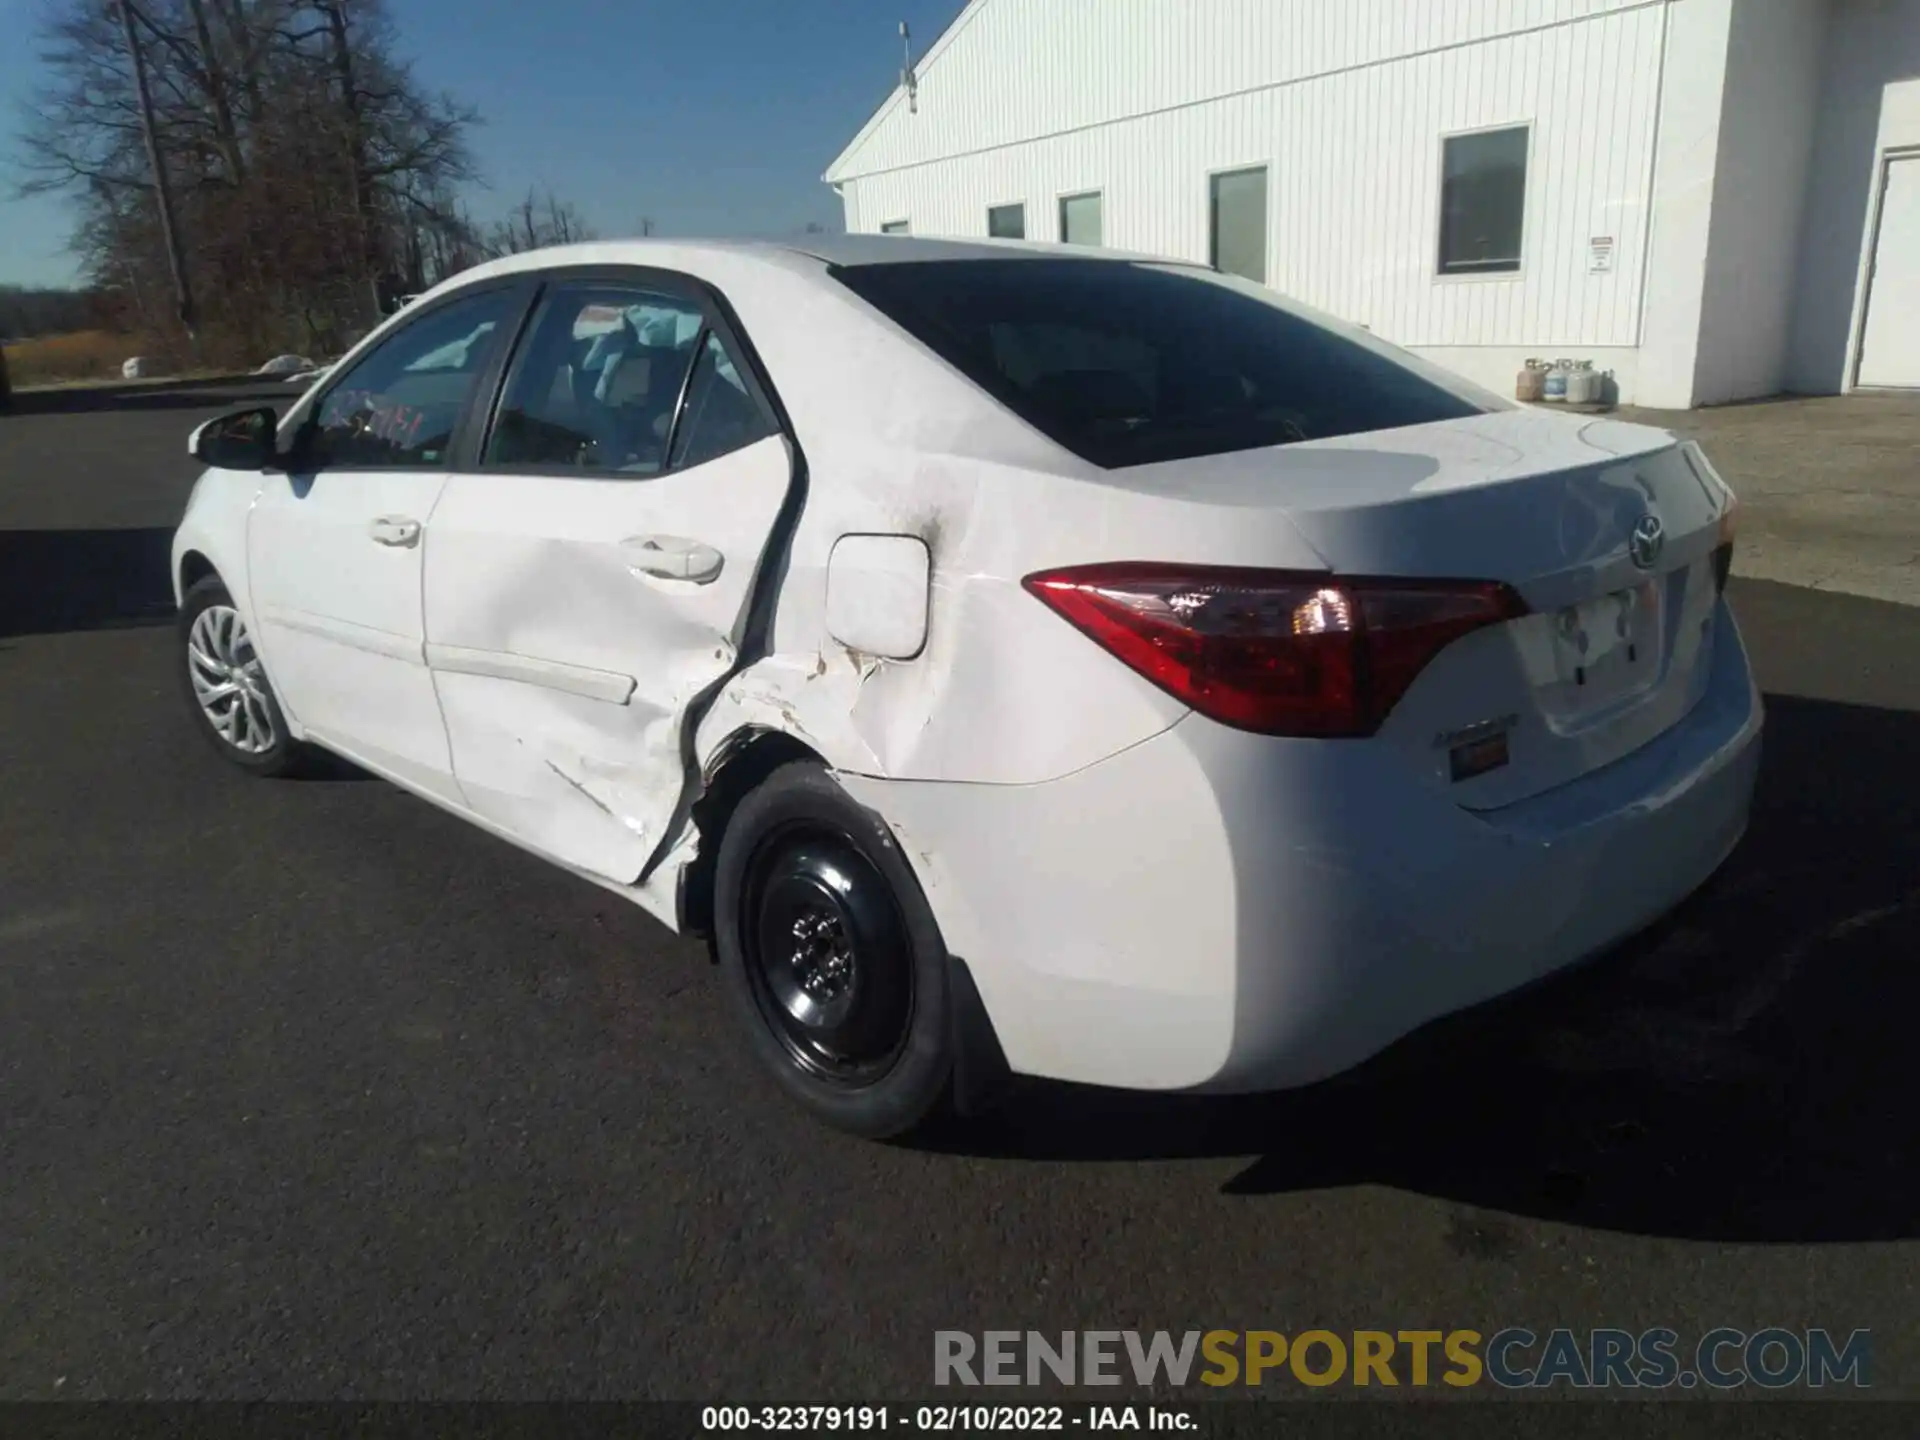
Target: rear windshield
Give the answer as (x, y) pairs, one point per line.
(1127, 364)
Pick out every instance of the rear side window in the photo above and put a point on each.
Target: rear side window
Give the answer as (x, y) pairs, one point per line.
(721, 415)
(1128, 364)
(595, 385)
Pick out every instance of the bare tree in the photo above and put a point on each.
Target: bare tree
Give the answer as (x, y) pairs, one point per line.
(315, 178)
(538, 220)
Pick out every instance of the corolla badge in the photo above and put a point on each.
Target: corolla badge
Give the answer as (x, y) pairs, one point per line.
(1649, 538)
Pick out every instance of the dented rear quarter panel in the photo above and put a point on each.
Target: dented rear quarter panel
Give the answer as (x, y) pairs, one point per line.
(898, 443)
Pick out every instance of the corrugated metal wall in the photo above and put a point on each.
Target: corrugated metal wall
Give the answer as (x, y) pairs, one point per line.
(1351, 131)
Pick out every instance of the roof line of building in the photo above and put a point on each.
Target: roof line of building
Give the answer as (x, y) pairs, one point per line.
(934, 51)
(1557, 24)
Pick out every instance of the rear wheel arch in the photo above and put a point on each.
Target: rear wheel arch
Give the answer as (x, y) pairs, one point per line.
(738, 765)
(834, 959)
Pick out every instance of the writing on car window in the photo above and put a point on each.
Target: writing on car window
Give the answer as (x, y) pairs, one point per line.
(398, 406)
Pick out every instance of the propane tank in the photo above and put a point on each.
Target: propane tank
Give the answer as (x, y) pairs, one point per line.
(1583, 384)
(1576, 382)
(1553, 388)
(1532, 381)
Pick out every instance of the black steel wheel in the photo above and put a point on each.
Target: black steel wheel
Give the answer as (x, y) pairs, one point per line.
(834, 955)
(827, 954)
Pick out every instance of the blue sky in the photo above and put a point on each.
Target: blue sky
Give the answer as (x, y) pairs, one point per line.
(713, 117)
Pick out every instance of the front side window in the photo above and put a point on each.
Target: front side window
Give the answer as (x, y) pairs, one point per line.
(1483, 196)
(398, 406)
(1007, 222)
(597, 382)
(1237, 223)
(1080, 219)
(1127, 364)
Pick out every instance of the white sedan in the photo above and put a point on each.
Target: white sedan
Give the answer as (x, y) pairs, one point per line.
(1018, 659)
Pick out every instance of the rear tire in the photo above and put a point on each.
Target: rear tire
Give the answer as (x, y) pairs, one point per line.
(833, 957)
(226, 687)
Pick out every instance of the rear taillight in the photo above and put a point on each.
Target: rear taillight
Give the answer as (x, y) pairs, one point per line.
(1273, 651)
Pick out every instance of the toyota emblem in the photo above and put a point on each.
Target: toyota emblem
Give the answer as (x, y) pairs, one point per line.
(1649, 538)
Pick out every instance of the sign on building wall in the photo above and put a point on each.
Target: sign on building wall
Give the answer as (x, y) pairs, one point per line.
(1599, 254)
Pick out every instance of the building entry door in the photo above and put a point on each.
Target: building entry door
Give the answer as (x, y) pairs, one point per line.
(1890, 343)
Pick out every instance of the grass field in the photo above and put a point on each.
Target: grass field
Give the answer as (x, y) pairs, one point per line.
(83, 355)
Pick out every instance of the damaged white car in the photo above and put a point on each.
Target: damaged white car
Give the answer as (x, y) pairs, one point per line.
(1020, 660)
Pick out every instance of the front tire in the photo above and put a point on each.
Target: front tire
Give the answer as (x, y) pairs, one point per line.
(833, 957)
(226, 686)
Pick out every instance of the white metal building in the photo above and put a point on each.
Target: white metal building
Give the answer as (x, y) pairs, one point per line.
(1711, 199)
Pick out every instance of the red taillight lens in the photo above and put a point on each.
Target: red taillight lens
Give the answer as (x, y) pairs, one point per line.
(1273, 651)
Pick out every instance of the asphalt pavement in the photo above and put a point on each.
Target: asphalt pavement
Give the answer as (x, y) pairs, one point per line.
(1829, 486)
(308, 1090)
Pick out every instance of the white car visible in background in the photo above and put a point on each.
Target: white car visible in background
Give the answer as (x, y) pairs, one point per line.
(1017, 658)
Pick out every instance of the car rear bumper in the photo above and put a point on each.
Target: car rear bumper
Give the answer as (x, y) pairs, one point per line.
(1212, 910)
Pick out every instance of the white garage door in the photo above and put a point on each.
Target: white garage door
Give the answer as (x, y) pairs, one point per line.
(1890, 348)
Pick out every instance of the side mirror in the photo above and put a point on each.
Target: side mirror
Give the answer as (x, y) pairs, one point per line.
(243, 440)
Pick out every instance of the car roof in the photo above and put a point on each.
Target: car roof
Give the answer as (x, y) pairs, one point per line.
(897, 249)
(825, 249)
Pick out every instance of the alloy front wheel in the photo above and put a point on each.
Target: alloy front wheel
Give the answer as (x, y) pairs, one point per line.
(226, 684)
(228, 680)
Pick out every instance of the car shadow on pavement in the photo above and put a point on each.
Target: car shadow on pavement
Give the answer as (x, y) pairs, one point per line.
(1745, 1072)
(58, 580)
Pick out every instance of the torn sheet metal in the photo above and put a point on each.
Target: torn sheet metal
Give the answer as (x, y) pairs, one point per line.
(579, 779)
(810, 698)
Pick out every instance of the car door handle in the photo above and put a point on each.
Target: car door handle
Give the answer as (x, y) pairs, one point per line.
(395, 530)
(669, 557)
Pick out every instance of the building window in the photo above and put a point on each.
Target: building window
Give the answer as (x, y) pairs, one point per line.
(1237, 223)
(1483, 193)
(1080, 219)
(1007, 222)
(895, 227)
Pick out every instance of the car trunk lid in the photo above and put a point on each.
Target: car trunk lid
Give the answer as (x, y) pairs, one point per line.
(1608, 531)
